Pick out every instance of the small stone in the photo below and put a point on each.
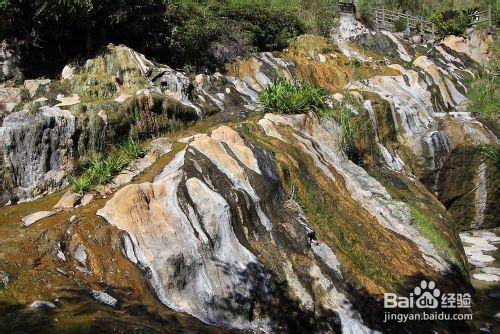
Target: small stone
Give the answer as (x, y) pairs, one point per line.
(104, 298)
(497, 316)
(87, 199)
(486, 277)
(81, 255)
(491, 270)
(417, 39)
(34, 217)
(72, 218)
(494, 294)
(487, 235)
(36, 86)
(5, 278)
(486, 328)
(59, 252)
(42, 305)
(68, 200)
(102, 114)
(68, 72)
(481, 258)
(68, 100)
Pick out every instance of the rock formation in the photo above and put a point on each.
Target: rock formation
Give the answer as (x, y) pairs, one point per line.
(256, 221)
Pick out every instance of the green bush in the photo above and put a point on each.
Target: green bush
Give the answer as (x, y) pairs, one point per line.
(452, 22)
(131, 149)
(365, 11)
(286, 97)
(177, 32)
(81, 183)
(400, 24)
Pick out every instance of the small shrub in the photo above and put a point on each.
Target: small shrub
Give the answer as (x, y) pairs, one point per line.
(286, 97)
(484, 91)
(365, 11)
(400, 24)
(98, 171)
(452, 22)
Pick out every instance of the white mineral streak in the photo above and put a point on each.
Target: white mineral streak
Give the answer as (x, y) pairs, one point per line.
(215, 151)
(403, 53)
(451, 96)
(321, 143)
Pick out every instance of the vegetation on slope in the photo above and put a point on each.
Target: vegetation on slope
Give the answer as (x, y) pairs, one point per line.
(287, 97)
(450, 16)
(204, 33)
(484, 90)
(101, 169)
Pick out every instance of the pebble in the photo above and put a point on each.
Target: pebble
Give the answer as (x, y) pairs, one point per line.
(42, 304)
(497, 316)
(494, 294)
(489, 236)
(34, 217)
(486, 277)
(481, 258)
(491, 270)
(104, 298)
(72, 218)
(5, 278)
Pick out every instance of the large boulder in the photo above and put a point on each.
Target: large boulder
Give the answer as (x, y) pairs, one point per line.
(38, 151)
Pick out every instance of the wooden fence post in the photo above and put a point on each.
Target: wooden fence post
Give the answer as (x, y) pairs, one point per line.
(383, 18)
(490, 24)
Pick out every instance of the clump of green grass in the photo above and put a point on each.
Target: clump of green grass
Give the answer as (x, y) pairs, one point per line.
(102, 169)
(285, 97)
(432, 233)
(81, 184)
(484, 89)
(132, 149)
(350, 128)
(490, 153)
(484, 93)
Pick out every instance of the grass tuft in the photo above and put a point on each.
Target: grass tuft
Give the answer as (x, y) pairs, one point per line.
(285, 97)
(100, 169)
(131, 149)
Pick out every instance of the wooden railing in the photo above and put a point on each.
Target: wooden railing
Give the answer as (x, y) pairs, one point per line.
(385, 19)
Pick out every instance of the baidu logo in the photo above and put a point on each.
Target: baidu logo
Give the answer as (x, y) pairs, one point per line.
(427, 296)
